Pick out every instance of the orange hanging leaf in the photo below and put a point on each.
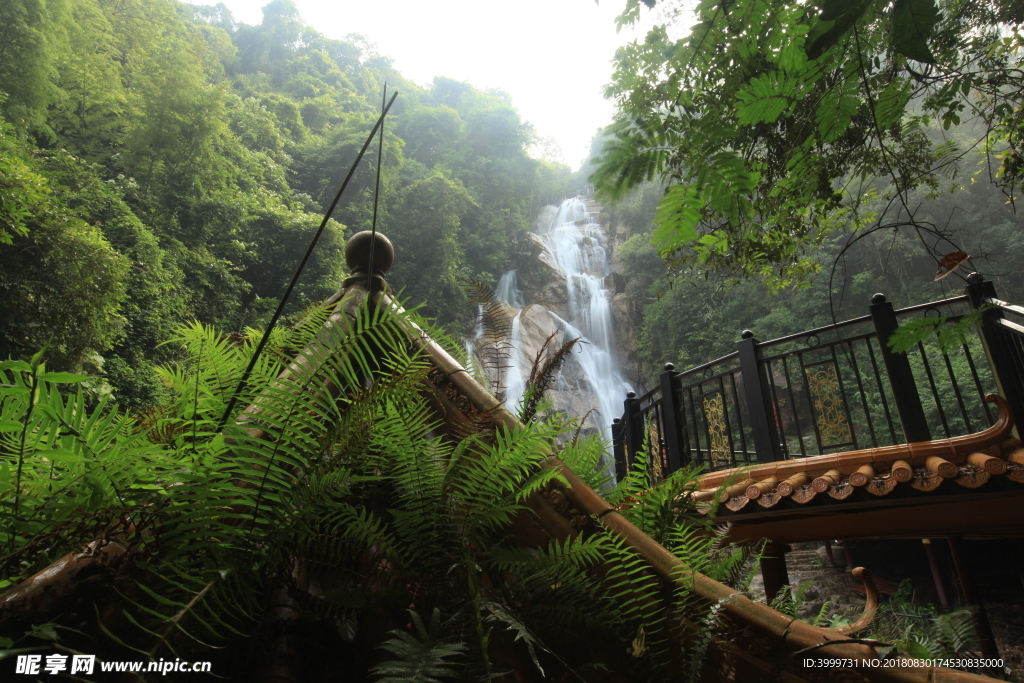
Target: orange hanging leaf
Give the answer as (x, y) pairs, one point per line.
(949, 263)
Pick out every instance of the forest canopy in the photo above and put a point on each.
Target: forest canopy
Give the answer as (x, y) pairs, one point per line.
(773, 124)
(161, 162)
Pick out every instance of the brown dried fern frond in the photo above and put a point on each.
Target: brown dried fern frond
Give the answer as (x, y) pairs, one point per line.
(542, 374)
(495, 329)
(158, 425)
(495, 326)
(579, 427)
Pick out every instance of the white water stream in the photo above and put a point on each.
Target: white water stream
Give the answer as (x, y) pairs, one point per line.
(508, 290)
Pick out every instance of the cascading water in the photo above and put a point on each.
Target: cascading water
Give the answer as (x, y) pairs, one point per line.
(515, 383)
(508, 290)
(576, 244)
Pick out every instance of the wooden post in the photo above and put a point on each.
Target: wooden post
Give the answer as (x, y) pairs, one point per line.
(901, 378)
(671, 415)
(828, 554)
(759, 400)
(1005, 364)
(986, 641)
(933, 562)
(773, 569)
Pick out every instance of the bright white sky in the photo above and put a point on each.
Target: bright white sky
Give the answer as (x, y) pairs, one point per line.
(552, 56)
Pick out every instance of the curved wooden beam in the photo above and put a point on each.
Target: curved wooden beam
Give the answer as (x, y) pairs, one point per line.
(41, 592)
(870, 606)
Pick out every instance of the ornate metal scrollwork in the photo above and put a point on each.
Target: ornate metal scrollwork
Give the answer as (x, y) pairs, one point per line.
(718, 430)
(655, 447)
(827, 399)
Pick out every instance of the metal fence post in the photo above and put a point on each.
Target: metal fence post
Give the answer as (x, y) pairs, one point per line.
(618, 450)
(901, 377)
(671, 408)
(759, 400)
(634, 429)
(1004, 360)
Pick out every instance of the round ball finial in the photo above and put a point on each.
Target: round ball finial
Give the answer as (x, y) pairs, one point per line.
(615, 421)
(630, 394)
(357, 252)
(746, 334)
(975, 278)
(669, 367)
(878, 298)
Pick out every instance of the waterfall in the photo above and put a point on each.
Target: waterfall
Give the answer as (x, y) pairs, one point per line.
(515, 384)
(508, 290)
(577, 247)
(577, 244)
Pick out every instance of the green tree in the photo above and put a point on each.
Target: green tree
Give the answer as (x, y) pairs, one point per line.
(770, 121)
(88, 114)
(275, 239)
(424, 225)
(31, 34)
(21, 188)
(198, 148)
(61, 283)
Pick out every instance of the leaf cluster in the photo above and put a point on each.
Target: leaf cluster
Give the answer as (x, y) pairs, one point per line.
(769, 121)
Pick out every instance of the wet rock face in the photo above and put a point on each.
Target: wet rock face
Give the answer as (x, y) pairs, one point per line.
(625, 331)
(543, 281)
(538, 325)
(615, 283)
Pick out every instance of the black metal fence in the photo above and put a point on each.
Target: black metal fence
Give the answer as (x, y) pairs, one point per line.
(835, 388)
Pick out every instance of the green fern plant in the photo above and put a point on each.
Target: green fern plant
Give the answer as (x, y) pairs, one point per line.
(919, 630)
(943, 636)
(420, 658)
(339, 488)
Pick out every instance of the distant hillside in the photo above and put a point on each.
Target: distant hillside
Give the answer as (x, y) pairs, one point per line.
(161, 162)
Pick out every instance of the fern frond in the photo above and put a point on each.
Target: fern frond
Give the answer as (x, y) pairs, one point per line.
(495, 327)
(421, 658)
(586, 456)
(542, 373)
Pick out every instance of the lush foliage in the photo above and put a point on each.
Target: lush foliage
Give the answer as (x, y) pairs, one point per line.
(774, 123)
(339, 512)
(921, 630)
(161, 162)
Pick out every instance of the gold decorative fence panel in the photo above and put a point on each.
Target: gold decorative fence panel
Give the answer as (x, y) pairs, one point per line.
(832, 418)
